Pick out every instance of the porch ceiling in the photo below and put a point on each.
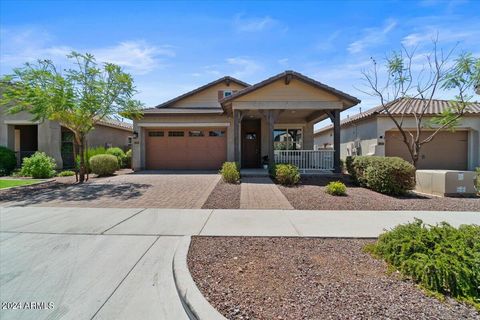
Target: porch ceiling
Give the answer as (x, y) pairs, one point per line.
(291, 116)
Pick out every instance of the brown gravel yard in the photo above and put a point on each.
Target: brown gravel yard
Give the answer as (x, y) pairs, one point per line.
(306, 278)
(311, 195)
(224, 196)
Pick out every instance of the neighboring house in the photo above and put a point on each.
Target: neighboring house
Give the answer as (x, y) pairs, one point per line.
(230, 120)
(373, 133)
(19, 133)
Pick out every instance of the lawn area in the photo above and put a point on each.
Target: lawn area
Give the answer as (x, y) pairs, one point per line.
(8, 183)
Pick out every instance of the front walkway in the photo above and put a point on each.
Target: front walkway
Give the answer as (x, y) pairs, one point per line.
(261, 193)
(114, 263)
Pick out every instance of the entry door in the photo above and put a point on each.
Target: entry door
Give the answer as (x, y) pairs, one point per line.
(251, 143)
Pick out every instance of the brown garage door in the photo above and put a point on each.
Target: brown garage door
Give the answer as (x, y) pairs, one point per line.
(448, 150)
(186, 148)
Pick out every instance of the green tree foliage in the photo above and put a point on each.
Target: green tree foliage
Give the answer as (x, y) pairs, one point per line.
(78, 97)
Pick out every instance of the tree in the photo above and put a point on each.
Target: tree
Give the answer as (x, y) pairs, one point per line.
(405, 77)
(78, 97)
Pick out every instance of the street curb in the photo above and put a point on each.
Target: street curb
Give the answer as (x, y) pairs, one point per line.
(194, 303)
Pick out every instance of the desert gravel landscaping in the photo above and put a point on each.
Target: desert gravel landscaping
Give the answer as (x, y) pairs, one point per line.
(224, 196)
(292, 278)
(310, 195)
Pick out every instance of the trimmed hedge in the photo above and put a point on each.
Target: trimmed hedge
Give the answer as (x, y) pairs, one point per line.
(128, 159)
(286, 174)
(117, 152)
(8, 161)
(441, 258)
(38, 166)
(336, 188)
(104, 164)
(66, 173)
(88, 154)
(389, 175)
(230, 172)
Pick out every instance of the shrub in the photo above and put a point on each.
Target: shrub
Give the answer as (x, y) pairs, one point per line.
(128, 159)
(66, 173)
(117, 152)
(8, 161)
(90, 153)
(38, 166)
(287, 174)
(440, 258)
(478, 179)
(230, 172)
(349, 167)
(336, 188)
(389, 175)
(104, 164)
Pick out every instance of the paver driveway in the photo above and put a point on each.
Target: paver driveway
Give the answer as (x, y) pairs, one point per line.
(139, 190)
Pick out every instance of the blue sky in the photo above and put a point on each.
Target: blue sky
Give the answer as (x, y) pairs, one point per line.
(173, 47)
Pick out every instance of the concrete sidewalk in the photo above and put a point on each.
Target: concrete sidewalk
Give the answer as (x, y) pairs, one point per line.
(179, 222)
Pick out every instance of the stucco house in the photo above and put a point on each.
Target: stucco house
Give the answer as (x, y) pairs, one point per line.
(373, 133)
(25, 136)
(230, 120)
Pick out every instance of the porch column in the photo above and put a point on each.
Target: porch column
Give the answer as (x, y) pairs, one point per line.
(236, 134)
(270, 123)
(336, 141)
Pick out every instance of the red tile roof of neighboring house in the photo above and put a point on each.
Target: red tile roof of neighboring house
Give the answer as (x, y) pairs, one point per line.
(407, 106)
(116, 124)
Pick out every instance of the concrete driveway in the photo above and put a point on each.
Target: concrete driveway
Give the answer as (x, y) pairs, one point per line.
(144, 189)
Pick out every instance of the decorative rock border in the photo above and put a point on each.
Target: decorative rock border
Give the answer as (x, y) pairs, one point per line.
(194, 303)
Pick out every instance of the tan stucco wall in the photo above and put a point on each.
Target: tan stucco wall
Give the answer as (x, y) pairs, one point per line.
(370, 131)
(296, 90)
(207, 98)
(103, 136)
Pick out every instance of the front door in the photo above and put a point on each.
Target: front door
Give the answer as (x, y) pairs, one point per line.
(251, 143)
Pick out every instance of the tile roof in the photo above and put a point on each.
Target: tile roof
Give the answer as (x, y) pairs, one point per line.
(405, 106)
(115, 124)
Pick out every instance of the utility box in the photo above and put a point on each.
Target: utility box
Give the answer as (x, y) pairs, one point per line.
(446, 183)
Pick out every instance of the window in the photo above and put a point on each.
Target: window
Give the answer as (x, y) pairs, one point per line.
(227, 93)
(195, 133)
(216, 133)
(287, 139)
(176, 133)
(155, 133)
(129, 141)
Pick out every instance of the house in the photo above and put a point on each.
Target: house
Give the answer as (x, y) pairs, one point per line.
(19, 133)
(230, 120)
(373, 133)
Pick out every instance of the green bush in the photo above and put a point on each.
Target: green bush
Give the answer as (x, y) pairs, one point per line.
(90, 153)
(128, 159)
(8, 161)
(230, 172)
(336, 188)
(389, 175)
(38, 166)
(478, 178)
(440, 258)
(66, 173)
(104, 164)
(350, 169)
(286, 174)
(117, 152)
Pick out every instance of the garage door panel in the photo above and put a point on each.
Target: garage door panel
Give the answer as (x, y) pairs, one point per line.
(448, 150)
(187, 152)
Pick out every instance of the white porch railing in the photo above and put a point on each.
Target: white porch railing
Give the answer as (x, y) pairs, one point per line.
(307, 160)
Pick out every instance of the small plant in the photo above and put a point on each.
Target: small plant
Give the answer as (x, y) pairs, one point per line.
(117, 152)
(128, 159)
(286, 174)
(66, 173)
(477, 170)
(8, 161)
(440, 258)
(336, 188)
(104, 164)
(230, 172)
(38, 166)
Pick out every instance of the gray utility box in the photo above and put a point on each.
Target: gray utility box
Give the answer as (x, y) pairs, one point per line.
(446, 183)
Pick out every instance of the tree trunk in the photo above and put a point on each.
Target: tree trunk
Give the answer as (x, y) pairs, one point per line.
(81, 152)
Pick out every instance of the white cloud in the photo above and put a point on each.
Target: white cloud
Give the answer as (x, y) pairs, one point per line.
(243, 24)
(244, 67)
(30, 44)
(372, 37)
(283, 62)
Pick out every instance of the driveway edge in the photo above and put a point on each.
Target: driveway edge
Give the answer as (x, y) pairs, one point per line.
(194, 303)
